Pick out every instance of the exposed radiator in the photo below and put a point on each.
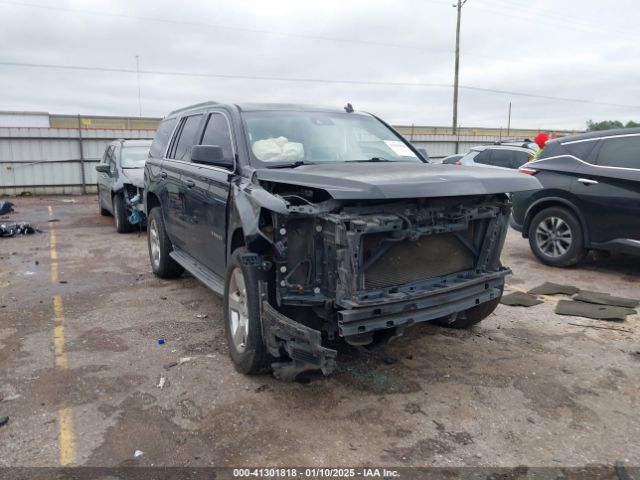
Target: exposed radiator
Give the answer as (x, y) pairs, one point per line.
(408, 262)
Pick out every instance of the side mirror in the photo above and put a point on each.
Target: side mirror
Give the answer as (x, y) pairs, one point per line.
(103, 168)
(423, 152)
(210, 155)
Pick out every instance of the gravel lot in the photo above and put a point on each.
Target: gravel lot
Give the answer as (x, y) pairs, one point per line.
(524, 387)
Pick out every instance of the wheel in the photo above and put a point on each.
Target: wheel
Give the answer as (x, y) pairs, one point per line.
(160, 247)
(242, 316)
(120, 214)
(103, 211)
(471, 316)
(556, 237)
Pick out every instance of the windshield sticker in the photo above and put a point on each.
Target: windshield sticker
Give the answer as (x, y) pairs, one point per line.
(399, 148)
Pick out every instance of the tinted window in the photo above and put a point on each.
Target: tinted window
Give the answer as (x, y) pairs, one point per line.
(520, 158)
(502, 158)
(483, 157)
(181, 150)
(217, 133)
(161, 137)
(581, 149)
(620, 152)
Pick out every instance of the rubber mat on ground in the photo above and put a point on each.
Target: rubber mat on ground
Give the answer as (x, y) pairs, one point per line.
(606, 299)
(591, 310)
(549, 288)
(520, 299)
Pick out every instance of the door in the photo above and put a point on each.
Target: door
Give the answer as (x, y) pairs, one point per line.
(178, 158)
(105, 181)
(211, 194)
(608, 190)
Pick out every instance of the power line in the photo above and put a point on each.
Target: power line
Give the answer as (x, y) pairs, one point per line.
(309, 80)
(238, 29)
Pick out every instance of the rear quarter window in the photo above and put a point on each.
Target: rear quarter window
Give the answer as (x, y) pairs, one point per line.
(622, 152)
(582, 150)
(161, 138)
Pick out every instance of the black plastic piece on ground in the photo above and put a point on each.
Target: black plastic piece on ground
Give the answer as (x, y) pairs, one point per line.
(606, 299)
(520, 299)
(590, 310)
(549, 288)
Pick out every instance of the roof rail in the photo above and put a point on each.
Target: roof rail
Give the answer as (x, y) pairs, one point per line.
(203, 104)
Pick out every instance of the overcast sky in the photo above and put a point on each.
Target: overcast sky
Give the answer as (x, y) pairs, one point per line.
(575, 49)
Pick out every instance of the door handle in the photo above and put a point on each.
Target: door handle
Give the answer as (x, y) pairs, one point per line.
(190, 183)
(587, 181)
(163, 174)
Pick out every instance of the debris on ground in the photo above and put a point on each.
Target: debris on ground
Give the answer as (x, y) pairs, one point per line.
(201, 315)
(261, 388)
(138, 453)
(550, 288)
(590, 310)
(4, 421)
(170, 365)
(12, 229)
(605, 299)
(161, 382)
(161, 341)
(68, 200)
(520, 299)
(53, 220)
(9, 398)
(600, 328)
(6, 207)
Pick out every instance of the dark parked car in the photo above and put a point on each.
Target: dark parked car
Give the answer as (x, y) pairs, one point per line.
(590, 197)
(319, 224)
(121, 180)
(509, 155)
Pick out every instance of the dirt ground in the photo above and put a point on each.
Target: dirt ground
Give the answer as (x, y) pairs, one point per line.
(523, 387)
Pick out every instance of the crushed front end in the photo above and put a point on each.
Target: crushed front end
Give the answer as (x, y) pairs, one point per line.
(366, 270)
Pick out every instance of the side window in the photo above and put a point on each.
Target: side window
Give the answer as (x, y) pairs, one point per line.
(519, 159)
(112, 159)
(580, 149)
(185, 138)
(621, 152)
(107, 153)
(217, 132)
(484, 157)
(161, 138)
(502, 158)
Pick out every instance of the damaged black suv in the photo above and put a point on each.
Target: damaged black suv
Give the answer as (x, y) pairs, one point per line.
(319, 224)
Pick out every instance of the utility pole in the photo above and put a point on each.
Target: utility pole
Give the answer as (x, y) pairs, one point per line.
(138, 75)
(457, 69)
(509, 121)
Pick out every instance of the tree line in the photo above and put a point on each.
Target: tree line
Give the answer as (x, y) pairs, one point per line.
(609, 124)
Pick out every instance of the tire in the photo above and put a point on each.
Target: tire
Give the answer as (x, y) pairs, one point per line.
(160, 247)
(471, 316)
(103, 211)
(243, 326)
(556, 237)
(120, 214)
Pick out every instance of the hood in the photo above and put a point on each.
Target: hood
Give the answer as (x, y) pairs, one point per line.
(134, 176)
(359, 180)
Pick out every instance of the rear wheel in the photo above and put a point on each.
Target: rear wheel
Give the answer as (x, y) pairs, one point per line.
(471, 316)
(242, 316)
(160, 247)
(556, 237)
(120, 214)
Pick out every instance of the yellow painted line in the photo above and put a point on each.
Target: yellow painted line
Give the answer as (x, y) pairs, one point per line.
(67, 439)
(524, 290)
(58, 333)
(65, 415)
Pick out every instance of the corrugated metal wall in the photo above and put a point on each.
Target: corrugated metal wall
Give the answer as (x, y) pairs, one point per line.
(50, 160)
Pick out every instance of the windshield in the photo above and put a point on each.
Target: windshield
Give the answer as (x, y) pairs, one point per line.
(134, 157)
(287, 138)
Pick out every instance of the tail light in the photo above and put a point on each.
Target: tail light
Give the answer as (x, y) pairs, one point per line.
(458, 162)
(527, 171)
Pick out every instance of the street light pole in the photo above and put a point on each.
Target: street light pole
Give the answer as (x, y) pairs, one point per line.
(457, 68)
(138, 77)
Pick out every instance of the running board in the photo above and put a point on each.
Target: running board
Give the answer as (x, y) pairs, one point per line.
(202, 273)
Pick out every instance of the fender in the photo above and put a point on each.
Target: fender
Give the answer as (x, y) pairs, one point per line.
(247, 200)
(557, 200)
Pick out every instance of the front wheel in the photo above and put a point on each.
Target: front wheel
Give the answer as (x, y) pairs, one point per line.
(242, 316)
(556, 237)
(120, 214)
